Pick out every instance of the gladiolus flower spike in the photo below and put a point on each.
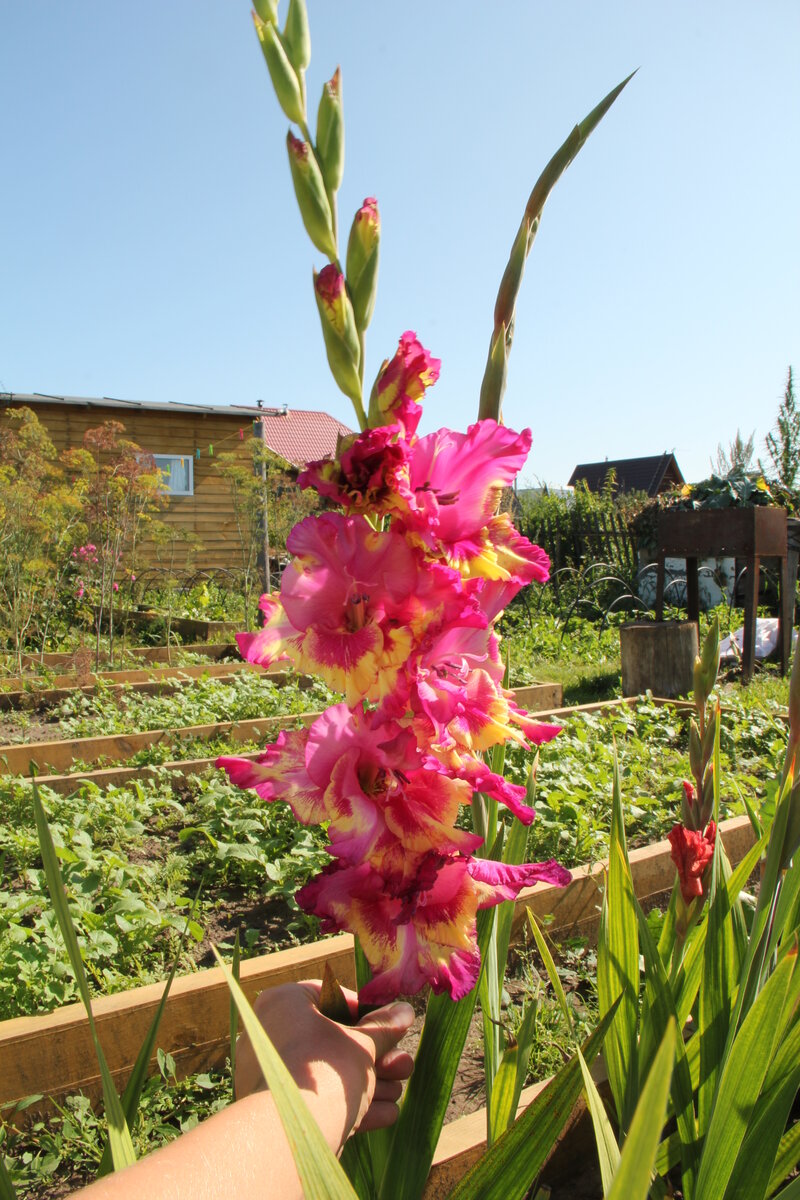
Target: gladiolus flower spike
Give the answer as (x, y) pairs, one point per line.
(401, 620)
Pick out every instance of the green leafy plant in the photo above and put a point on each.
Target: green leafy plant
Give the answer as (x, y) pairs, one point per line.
(736, 1076)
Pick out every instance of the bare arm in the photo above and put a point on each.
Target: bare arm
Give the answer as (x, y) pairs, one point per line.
(350, 1077)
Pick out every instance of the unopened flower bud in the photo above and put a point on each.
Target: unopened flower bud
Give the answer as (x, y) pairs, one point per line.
(267, 10)
(311, 197)
(296, 37)
(287, 86)
(330, 132)
(362, 260)
(707, 665)
(338, 330)
(689, 804)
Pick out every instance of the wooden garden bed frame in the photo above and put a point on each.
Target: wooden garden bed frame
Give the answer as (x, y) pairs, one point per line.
(59, 755)
(53, 1055)
(158, 681)
(163, 654)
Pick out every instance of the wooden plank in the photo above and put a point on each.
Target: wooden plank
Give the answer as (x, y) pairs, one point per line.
(53, 1055)
(153, 682)
(212, 650)
(59, 755)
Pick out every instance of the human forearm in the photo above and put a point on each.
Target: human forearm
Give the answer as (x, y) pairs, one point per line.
(241, 1151)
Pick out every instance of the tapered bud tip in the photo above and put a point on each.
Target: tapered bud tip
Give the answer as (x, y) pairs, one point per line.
(334, 84)
(329, 284)
(689, 792)
(297, 147)
(266, 10)
(368, 214)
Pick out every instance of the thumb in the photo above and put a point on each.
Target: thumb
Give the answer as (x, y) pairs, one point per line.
(387, 1025)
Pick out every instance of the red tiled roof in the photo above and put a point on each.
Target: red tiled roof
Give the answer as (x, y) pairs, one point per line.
(301, 435)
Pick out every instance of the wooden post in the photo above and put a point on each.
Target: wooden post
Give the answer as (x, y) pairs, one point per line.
(658, 656)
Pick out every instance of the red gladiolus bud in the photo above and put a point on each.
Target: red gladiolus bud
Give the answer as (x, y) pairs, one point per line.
(691, 852)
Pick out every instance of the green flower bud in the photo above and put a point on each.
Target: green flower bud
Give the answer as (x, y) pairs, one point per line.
(339, 330)
(707, 665)
(362, 260)
(311, 196)
(296, 37)
(287, 86)
(330, 132)
(267, 10)
(696, 760)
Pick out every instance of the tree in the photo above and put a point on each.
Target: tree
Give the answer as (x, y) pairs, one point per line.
(119, 486)
(267, 503)
(737, 458)
(783, 446)
(40, 515)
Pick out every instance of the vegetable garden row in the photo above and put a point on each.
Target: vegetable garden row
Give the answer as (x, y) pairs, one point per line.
(137, 841)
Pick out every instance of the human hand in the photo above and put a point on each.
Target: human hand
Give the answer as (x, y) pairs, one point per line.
(353, 1074)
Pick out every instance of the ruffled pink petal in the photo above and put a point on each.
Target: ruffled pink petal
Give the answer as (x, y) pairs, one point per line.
(505, 882)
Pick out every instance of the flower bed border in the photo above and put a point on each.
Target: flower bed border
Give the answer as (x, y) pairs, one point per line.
(156, 681)
(60, 754)
(64, 658)
(53, 1054)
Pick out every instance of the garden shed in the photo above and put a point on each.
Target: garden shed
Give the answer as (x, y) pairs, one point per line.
(186, 440)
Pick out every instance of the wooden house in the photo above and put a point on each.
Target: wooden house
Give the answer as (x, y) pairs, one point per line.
(186, 441)
(652, 474)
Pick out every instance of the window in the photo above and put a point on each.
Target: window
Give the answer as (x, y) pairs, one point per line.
(177, 473)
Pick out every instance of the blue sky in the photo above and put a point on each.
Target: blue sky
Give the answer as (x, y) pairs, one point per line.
(151, 248)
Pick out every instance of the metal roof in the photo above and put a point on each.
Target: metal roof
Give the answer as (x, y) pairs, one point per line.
(137, 405)
(298, 435)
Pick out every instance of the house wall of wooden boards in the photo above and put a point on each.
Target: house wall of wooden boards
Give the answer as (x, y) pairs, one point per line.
(209, 513)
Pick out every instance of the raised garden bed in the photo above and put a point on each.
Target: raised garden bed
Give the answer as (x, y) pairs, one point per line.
(152, 654)
(159, 681)
(53, 1055)
(58, 755)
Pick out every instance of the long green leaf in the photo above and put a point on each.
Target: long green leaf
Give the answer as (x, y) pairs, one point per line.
(494, 378)
(133, 1090)
(552, 973)
(321, 1175)
(632, 1179)
(507, 1171)
(786, 1159)
(233, 1015)
(119, 1136)
(755, 1161)
(758, 949)
(7, 1189)
(720, 977)
(741, 1081)
(690, 973)
(618, 966)
(662, 1011)
(364, 1154)
(511, 1074)
(428, 1092)
(791, 1191)
(607, 1148)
